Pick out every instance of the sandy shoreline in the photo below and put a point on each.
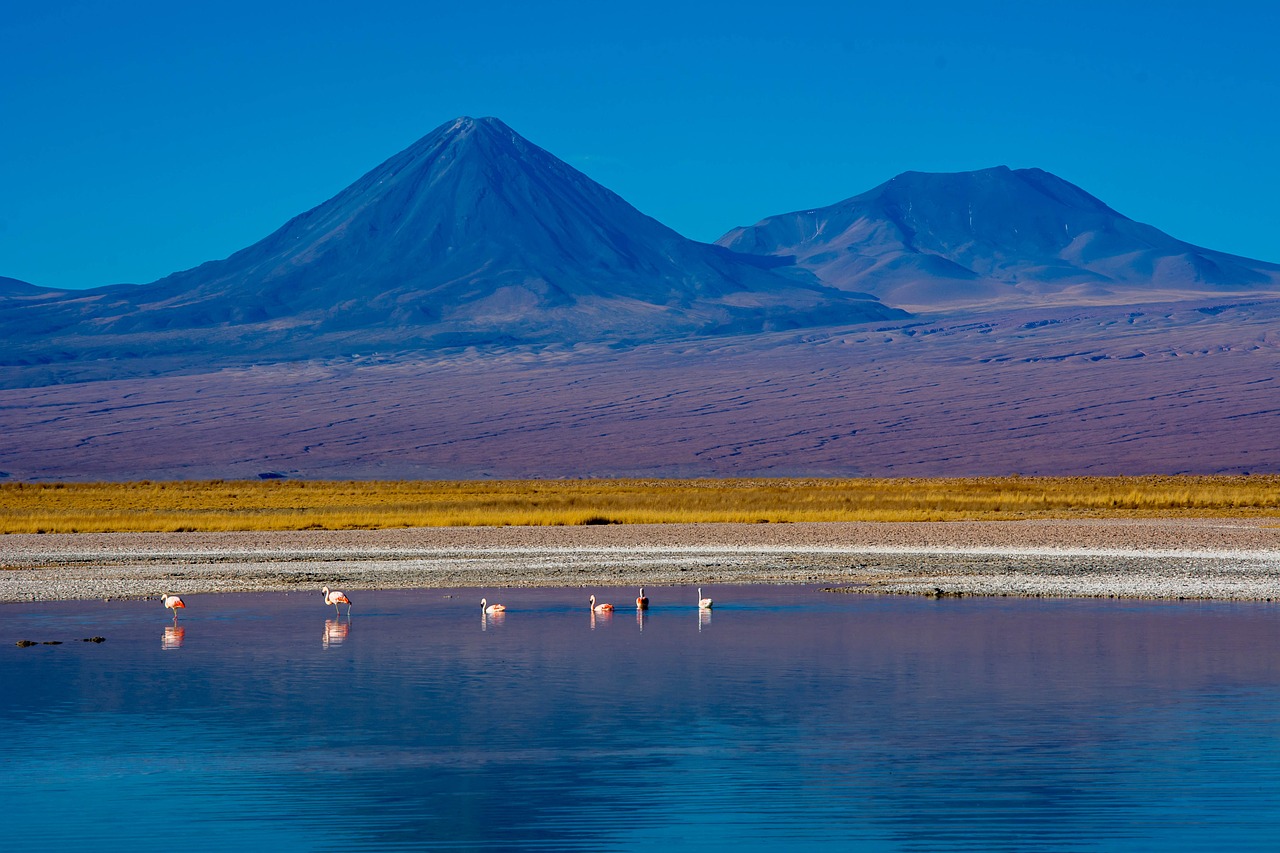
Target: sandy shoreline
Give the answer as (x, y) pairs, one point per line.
(1237, 559)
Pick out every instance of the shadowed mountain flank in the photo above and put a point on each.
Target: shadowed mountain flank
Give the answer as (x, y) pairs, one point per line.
(995, 238)
(471, 236)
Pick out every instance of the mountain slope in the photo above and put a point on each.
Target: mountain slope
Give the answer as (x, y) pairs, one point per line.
(19, 288)
(472, 235)
(994, 237)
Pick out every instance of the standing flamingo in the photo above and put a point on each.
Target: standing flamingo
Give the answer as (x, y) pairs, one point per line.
(174, 603)
(491, 608)
(600, 608)
(333, 596)
(703, 603)
(642, 603)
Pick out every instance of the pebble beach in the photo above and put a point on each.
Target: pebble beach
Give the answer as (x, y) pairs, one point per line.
(1221, 559)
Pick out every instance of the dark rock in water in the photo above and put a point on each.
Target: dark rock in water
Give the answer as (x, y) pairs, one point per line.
(51, 643)
(93, 640)
(939, 592)
(25, 643)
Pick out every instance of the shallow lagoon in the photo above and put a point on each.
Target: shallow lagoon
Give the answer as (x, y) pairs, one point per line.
(786, 716)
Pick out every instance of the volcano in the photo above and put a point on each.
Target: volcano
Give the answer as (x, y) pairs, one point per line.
(471, 236)
(995, 238)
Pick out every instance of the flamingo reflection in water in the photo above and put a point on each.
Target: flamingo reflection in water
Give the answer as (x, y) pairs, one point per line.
(640, 617)
(704, 618)
(173, 637)
(335, 631)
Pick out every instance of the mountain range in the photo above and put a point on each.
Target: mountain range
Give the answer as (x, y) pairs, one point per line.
(475, 307)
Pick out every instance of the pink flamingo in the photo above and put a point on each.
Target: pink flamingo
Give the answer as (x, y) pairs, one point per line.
(491, 608)
(334, 597)
(703, 603)
(173, 603)
(600, 608)
(642, 603)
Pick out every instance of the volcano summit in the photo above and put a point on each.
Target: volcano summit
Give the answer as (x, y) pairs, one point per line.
(471, 236)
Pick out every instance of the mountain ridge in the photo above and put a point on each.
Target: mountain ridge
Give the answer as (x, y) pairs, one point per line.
(933, 240)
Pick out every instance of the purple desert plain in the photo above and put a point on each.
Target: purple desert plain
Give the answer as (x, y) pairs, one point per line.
(475, 307)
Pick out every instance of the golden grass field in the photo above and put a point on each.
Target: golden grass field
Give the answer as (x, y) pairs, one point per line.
(299, 505)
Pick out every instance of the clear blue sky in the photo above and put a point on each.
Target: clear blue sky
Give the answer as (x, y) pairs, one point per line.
(139, 138)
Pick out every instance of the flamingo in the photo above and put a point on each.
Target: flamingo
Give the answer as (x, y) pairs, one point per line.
(333, 596)
(491, 608)
(174, 603)
(703, 603)
(642, 603)
(600, 608)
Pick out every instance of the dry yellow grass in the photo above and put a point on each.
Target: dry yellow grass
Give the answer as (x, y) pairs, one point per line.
(298, 505)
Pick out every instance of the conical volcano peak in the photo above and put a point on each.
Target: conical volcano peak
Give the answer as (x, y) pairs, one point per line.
(464, 126)
(474, 234)
(461, 134)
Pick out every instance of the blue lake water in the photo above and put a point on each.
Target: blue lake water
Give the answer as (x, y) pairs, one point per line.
(787, 716)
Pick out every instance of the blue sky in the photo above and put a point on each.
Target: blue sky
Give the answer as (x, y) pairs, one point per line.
(140, 138)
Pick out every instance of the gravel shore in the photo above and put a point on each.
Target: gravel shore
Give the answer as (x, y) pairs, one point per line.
(1148, 558)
